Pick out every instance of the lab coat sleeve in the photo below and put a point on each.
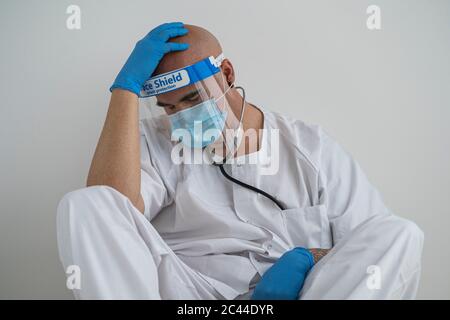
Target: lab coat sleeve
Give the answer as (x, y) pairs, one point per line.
(345, 190)
(153, 190)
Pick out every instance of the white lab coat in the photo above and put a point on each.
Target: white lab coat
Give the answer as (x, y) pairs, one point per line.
(203, 237)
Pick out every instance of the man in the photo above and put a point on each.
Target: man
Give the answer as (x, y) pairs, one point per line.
(152, 226)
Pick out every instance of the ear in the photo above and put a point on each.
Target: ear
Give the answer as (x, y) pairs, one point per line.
(228, 71)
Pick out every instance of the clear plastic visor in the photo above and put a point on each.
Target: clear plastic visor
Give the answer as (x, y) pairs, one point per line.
(203, 110)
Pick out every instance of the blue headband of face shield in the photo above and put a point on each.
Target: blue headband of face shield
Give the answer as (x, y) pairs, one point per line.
(201, 124)
(179, 78)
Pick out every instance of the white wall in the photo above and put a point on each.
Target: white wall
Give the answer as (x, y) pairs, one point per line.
(385, 95)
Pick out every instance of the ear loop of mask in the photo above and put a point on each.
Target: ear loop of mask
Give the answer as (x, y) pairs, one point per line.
(226, 91)
(237, 137)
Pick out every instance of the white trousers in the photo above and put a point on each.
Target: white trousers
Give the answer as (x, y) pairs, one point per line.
(120, 255)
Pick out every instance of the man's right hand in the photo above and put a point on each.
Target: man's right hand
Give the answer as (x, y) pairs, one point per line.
(116, 162)
(146, 55)
(284, 279)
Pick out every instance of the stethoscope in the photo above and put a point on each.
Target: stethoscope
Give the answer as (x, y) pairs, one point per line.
(243, 184)
(234, 180)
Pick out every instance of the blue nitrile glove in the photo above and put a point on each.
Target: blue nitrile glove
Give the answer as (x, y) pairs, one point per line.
(284, 280)
(146, 55)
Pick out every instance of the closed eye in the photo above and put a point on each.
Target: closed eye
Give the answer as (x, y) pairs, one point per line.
(192, 97)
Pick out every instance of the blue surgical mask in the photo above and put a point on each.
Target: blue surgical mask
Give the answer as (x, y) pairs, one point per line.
(203, 124)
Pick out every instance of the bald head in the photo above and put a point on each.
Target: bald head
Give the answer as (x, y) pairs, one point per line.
(202, 44)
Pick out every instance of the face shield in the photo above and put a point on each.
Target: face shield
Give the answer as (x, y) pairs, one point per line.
(190, 106)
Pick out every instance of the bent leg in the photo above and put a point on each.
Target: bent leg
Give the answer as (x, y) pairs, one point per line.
(380, 259)
(119, 252)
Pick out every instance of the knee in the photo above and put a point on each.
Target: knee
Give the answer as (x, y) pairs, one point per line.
(407, 229)
(86, 204)
(408, 245)
(83, 196)
(394, 230)
(405, 237)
